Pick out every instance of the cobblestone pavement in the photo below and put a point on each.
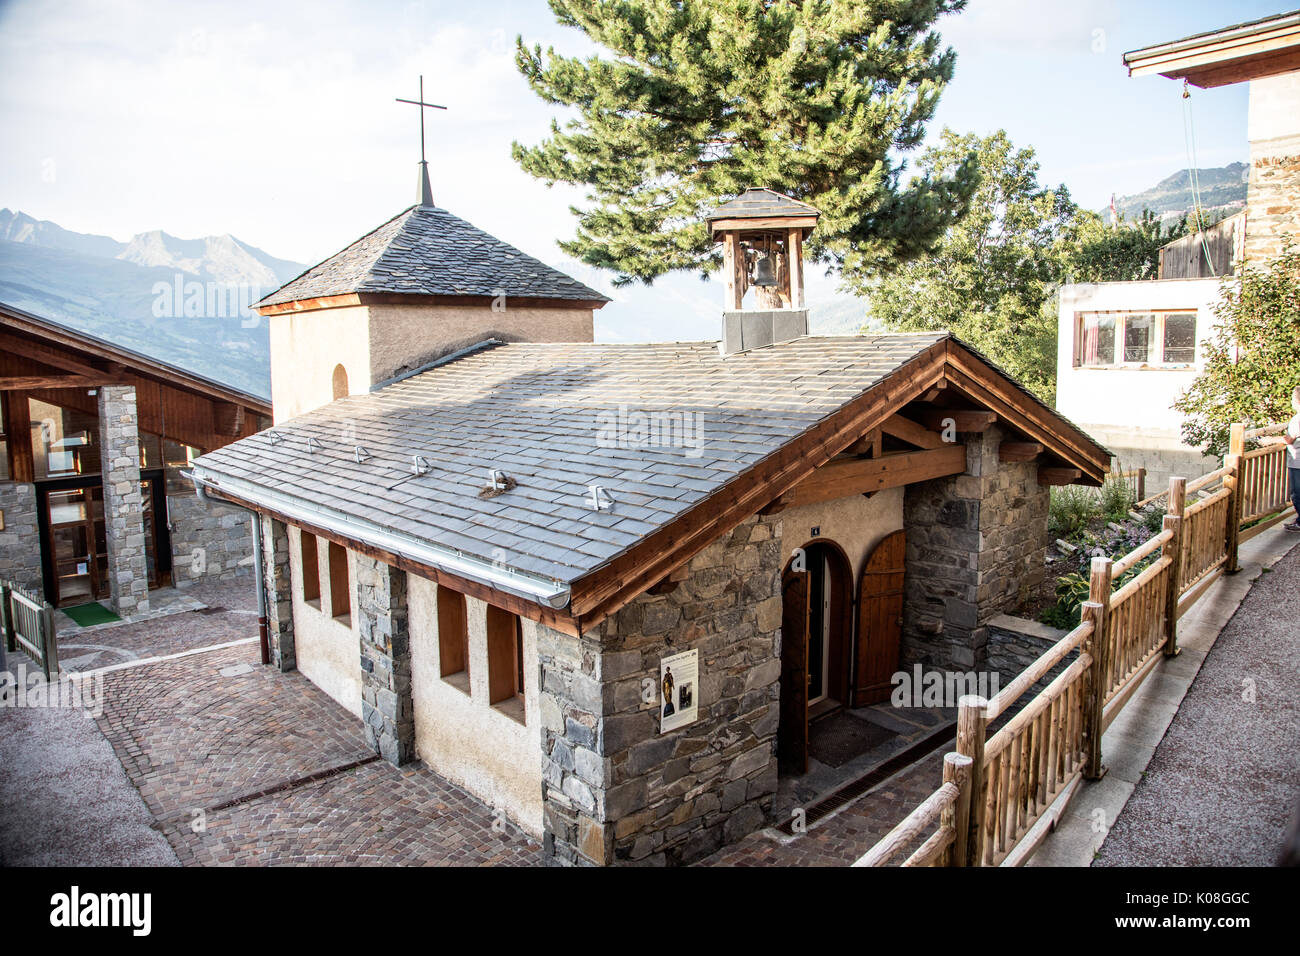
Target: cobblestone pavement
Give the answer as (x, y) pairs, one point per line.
(219, 748)
(1222, 787)
(229, 614)
(840, 839)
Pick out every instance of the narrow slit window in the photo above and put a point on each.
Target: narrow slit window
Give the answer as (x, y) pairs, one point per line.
(505, 662)
(453, 638)
(340, 593)
(310, 569)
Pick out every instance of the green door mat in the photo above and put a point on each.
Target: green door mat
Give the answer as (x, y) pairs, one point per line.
(88, 614)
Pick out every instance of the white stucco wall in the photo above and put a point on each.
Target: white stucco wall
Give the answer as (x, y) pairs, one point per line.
(374, 342)
(328, 651)
(1273, 117)
(305, 348)
(856, 524)
(1129, 398)
(462, 736)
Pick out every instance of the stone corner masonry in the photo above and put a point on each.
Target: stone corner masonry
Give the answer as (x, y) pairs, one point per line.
(119, 446)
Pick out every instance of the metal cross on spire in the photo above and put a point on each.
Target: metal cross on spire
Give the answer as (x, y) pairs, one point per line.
(426, 191)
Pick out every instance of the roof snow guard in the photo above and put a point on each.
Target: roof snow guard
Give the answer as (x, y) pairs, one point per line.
(685, 444)
(425, 250)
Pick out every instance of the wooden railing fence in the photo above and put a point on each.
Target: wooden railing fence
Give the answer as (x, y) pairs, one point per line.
(28, 623)
(1001, 793)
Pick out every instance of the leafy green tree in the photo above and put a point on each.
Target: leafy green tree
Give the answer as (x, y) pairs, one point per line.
(1129, 253)
(693, 101)
(991, 280)
(1252, 360)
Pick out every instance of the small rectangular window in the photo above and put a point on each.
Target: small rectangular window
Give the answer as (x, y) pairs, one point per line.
(1180, 339)
(1096, 339)
(340, 592)
(453, 638)
(1137, 338)
(505, 662)
(310, 568)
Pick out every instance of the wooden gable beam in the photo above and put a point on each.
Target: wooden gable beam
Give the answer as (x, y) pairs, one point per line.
(975, 379)
(1019, 450)
(845, 478)
(1058, 476)
(23, 383)
(53, 357)
(909, 431)
(964, 419)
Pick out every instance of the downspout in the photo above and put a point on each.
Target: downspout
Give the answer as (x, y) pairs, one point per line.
(263, 633)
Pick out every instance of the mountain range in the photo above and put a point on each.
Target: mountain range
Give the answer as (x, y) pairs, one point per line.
(1222, 190)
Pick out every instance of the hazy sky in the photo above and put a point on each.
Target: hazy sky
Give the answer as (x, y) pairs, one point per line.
(276, 122)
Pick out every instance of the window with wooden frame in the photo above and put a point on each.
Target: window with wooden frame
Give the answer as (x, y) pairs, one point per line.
(1135, 339)
(310, 568)
(505, 646)
(453, 638)
(340, 592)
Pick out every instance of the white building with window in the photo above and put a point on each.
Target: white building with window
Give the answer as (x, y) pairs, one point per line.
(1126, 352)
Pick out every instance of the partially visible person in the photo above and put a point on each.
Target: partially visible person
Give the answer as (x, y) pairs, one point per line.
(1292, 438)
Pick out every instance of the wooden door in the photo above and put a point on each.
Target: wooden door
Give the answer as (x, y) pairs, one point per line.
(880, 620)
(792, 732)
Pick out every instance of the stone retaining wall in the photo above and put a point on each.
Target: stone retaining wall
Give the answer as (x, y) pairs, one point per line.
(20, 552)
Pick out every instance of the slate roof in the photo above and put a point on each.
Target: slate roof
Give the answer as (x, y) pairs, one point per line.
(759, 202)
(549, 415)
(425, 250)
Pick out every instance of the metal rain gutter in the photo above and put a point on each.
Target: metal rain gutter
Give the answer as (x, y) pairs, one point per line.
(539, 590)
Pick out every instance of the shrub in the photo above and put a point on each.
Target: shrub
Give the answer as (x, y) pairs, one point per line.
(1071, 508)
(1115, 499)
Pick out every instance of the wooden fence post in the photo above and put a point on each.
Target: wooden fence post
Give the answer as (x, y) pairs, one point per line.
(972, 726)
(956, 770)
(1097, 610)
(1174, 588)
(1232, 481)
(1142, 484)
(5, 610)
(49, 643)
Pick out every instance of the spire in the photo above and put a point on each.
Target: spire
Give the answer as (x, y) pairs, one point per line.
(425, 190)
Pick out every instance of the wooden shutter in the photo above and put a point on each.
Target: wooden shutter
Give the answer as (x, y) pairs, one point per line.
(880, 620)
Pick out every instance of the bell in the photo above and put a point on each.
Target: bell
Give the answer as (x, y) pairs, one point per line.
(764, 274)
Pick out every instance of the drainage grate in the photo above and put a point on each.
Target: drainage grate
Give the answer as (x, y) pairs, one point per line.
(851, 791)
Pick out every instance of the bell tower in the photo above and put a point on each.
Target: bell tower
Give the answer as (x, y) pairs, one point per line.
(762, 234)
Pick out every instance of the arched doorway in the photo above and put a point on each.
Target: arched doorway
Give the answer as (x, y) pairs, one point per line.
(816, 644)
(339, 383)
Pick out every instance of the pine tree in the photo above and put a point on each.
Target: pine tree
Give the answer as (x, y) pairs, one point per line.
(693, 101)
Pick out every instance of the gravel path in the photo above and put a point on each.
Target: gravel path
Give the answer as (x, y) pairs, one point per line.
(1222, 787)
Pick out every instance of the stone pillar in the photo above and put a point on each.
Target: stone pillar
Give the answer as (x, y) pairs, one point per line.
(119, 449)
(615, 789)
(975, 544)
(386, 705)
(279, 595)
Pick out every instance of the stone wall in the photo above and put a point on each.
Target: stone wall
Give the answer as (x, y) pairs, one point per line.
(1016, 642)
(382, 620)
(211, 541)
(20, 552)
(976, 543)
(119, 448)
(1273, 205)
(615, 790)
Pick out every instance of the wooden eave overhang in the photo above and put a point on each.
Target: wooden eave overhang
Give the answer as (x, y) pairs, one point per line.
(1235, 54)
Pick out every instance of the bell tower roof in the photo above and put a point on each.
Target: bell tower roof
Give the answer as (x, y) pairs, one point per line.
(759, 207)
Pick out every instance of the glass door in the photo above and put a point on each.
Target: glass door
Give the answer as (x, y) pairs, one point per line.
(79, 544)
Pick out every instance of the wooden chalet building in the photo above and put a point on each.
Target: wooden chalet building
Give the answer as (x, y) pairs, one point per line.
(607, 587)
(93, 439)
